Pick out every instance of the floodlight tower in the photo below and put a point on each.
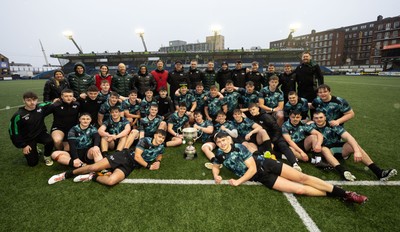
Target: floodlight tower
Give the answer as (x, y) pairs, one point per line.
(293, 27)
(216, 29)
(140, 32)
(44, 54)
(69, 34)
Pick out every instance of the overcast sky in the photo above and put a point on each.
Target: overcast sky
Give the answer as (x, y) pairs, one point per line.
(100, 25)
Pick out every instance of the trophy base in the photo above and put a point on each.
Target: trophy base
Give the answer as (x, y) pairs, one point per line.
(190, 156)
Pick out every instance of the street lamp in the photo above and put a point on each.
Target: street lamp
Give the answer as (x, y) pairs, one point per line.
(140, 32)
(216, 29)
(69, 34)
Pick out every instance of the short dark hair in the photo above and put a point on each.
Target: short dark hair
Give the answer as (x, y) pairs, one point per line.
(132, 91)
(114, 94)
(220, 134)
(295, 112)
(92, 88)
(30, 94)
(67, 91)
(113, 108)
(324, 86)
(161, 132)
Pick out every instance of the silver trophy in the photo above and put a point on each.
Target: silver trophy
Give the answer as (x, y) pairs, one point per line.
(190, 136)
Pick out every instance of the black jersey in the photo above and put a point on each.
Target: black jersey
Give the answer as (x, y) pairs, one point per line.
(26, 125)
(65, 115)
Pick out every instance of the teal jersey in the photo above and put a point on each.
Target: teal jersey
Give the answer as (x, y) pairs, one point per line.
(228, 125)
(83, 138)
(132, 108)
(333, 109)
(271, 99)
(234, 159)
(200, 99)
(150, 152)
(214, 105)
(115, 127)
(105, 109)
(148, 126)
(204, 136)
(145, 106)
(232, 100)
(297, 133)
(246, 98)
(178, 122)
(301, 106)
(188, 99)
(332, 135)
(243, 127)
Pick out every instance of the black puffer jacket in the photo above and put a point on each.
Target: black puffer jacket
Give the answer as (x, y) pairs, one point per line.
(121, 83)
(79, 83)
(144, 81)
(52, 89)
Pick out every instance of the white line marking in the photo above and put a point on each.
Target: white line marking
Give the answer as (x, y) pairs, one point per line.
(11, 107)
(361, 83)
(225, 182)
(307, 220)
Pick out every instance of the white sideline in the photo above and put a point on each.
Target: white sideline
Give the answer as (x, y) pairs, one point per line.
(225, 182)
(306, 219)
(11, 107)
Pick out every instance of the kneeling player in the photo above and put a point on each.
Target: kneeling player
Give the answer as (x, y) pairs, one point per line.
(148, 154)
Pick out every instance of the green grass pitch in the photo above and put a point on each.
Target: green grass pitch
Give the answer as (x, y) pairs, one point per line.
(28, 203)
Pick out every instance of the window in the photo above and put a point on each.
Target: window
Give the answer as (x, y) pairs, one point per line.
(365, 33)
(394, 41)
(330, 42)
(395, 34)
(379, 36)
(370, 33)
(363, 26)
(388, 26)
(387, 35)
(371, 25)
(380, 27)
(354, 28)
(396, 24)
(331, 36)
(347, 29)
(326, 36)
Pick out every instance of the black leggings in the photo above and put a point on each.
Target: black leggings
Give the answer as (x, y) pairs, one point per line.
(43, 138)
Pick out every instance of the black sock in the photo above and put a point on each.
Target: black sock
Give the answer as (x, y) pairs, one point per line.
(94, 178)
(71, 163)
(265, 146)
(337, 192)
(339, 168)
(212, 159)
(375, 169)
(68, 174)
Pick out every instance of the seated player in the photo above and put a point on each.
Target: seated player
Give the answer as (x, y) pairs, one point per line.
(214, 104)
(27, 129)
(271, 173)
(248, 95)
(146, 102)
(302, 138)
(204, 127)
(91, 104)
(269, 124)
(333, 136)
(114, 131)
(84, 142)
(148, 153)
(176, 122)
(296, 103)
(250, 132)
(271, 99)
(221, 124)
(131, 108)
(336, 109)
(104, 112)
(188, 99)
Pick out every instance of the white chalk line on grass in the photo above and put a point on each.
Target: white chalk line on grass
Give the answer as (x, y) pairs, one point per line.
(10, 107)
(225, 182)
(306, 219)
(361, 83)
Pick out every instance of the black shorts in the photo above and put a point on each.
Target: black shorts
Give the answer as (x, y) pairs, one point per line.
(65, 131)
(82, 155)
(268, 172)
(240, 139)
(122, 161)
(301, 145)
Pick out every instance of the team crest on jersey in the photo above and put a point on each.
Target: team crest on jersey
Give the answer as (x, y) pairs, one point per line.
(39, 110)
(74, 106)
(62, 107)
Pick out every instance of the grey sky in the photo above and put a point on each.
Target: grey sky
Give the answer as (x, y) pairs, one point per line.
(100, 25)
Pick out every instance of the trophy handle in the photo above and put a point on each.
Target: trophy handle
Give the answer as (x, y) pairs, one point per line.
(198, 136)
(179, 130)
